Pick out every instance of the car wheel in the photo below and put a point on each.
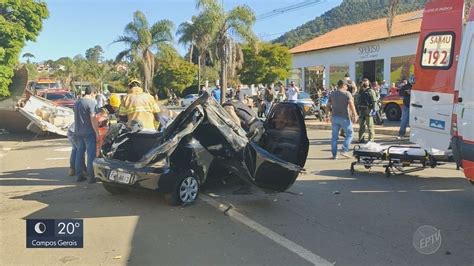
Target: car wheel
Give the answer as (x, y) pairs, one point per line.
(114, 189)
(185, 192)
(393, 112)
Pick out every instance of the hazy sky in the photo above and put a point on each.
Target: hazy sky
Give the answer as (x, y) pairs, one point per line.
(75, 25)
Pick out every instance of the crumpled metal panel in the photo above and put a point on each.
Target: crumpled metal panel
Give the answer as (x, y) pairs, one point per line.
(207, 122)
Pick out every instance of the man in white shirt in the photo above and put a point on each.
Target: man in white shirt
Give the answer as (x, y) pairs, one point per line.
(383, 89)
(292, 92)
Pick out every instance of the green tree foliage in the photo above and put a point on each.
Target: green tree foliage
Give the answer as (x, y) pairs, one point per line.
(223, 28)
(265, 63)
(349, 12)
(174, 73)
(95, 54)
(141, 40)
(20, 21)
(28, 57)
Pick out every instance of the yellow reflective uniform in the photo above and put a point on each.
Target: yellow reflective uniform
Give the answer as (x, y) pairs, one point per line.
(140, 106)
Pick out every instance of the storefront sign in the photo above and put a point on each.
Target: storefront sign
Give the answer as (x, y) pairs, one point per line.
(370, 51)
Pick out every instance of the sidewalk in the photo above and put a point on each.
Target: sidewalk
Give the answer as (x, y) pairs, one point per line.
(389, 127)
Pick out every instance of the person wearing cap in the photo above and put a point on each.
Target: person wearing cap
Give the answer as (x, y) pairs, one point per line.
(139, 106)
(340, 102)
(113, 105)
(366, 103)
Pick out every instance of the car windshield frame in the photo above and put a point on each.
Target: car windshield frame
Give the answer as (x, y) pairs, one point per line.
(59, 96)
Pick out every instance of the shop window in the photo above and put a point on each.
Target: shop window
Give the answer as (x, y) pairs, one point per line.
(402, 67)
(337, 73)
(373, 70)
(296, 75)
(313, 78)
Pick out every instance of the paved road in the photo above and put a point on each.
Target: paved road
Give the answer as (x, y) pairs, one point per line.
(328, 214)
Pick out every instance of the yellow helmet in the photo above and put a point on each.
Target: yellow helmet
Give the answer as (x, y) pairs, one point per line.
(114, 100)
(134, 82)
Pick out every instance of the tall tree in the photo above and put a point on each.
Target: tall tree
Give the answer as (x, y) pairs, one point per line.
(224, 28)
(95, 54)
(142, 42)
(174, 73)
(28, 57)
(198, 34)
(20, 21)
(265, 63)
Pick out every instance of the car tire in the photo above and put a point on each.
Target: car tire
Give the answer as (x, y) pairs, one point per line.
(114, 190)
(185, 192)
(393, 112)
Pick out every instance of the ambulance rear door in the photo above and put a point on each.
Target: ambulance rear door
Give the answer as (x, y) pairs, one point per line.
(432, 95)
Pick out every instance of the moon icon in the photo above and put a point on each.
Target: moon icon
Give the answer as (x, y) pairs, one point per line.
(40, 228)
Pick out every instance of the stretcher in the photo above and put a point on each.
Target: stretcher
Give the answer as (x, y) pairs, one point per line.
(396, 160)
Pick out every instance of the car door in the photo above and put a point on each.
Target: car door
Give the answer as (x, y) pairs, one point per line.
(285, 134)
(286, 138)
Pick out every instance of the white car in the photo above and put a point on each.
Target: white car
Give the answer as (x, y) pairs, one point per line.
(189, 99)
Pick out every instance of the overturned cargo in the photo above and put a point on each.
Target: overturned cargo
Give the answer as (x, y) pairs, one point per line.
(201, 139)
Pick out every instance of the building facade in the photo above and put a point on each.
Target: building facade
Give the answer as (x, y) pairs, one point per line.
(371, 53)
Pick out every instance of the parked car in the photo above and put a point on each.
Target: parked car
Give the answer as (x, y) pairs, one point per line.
(307, 105)
(60, 97)
(189, 99)
(199, 142)
(392, 107)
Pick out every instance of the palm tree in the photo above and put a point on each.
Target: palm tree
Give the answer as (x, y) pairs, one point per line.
(28, 56)
(196, 33)
(142, 41)
(224, 27)
(188, 31)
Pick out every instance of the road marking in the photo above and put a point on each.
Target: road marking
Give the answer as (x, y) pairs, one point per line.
(56, 159)
(442, 190)
(275, 237)
(64, 149)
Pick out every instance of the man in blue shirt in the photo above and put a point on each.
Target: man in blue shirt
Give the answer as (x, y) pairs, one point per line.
(86, 132)
(216, 93)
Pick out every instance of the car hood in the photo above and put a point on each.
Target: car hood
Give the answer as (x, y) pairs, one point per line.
(207, 122)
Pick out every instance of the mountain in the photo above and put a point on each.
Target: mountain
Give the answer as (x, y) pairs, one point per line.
(349, 12)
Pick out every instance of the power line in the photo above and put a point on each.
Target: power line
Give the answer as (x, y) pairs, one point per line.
(293, 7)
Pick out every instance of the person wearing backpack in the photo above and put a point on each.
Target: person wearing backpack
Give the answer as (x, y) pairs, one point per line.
(366, 101)
(268, 98)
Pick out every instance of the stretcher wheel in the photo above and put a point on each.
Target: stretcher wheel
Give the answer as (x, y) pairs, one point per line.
(352, 169)
(387, 172)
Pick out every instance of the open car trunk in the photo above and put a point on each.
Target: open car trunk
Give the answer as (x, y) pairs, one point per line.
(205, 122)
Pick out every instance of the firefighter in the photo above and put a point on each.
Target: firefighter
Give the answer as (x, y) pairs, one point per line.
(139, 106)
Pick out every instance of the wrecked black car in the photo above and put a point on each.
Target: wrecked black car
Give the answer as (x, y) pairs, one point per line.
(203, 138)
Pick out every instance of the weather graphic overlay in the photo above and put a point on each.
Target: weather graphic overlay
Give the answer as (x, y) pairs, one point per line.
(54, 233)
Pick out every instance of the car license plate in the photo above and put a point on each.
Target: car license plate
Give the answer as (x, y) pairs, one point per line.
(120, 177)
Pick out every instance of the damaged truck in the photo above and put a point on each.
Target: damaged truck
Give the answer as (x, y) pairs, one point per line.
(200, 140)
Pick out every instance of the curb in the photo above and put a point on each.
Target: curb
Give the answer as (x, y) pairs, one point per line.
(383, 131)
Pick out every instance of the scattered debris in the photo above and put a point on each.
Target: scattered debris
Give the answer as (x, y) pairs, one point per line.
(117, 257)
(337, 192)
